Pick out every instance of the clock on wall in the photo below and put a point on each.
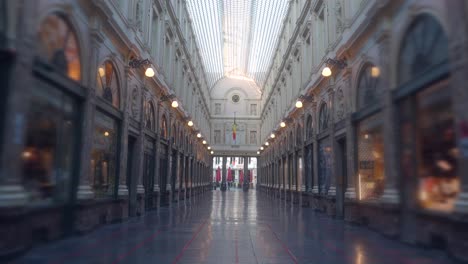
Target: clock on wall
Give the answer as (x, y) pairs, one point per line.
(235, 98)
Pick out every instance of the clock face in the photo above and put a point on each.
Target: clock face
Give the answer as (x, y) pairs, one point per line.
(235, 98)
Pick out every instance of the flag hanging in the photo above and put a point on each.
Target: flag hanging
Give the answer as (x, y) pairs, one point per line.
(234, 128)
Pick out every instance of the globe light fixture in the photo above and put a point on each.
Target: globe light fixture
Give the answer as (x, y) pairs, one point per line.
(272, 135)
(283, 124)
(190, 123)
(198, 135)
(267, 144)
(212, 152)
(149, 72)
(106, 134)
(375, 71)
(209, 147)
(261, 148)
(175, 104)
(326, 72)
(258, 152)
(204, 142)
(299, 104)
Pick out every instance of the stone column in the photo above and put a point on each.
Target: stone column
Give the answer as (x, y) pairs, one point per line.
(390, 126)
(223, 181)
(315, 181)
(246, 175)
(140, 148)
(351, 187)
(12, 191)
(287, 172)
(333, 180)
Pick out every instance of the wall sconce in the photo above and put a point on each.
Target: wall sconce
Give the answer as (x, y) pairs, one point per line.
(301, 99)
(209, 148)
(327, 72)
(283, 124)
(267, 144)
(204, 142)
(199, 135)
(272, 135)
(137, 63)
(172, 98)
(258, 152)
(262, 148)
(212, 152)
(190, 123)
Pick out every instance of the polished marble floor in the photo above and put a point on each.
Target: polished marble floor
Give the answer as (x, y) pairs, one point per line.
(232, 227)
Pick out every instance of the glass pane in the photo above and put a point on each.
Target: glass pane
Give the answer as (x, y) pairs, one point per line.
(371, 177)
(49, 150)
(104, 155)
(437, 151)
(324, 169)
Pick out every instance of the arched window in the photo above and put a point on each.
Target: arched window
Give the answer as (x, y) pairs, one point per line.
(149, 116)
(107, 84)
(173, 134)
(164, 127)
(59, 44)
(323, 117)
(425, 46)
(309, 129)
(368, 86)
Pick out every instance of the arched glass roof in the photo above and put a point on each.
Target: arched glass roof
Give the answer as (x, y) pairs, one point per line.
(237, 37)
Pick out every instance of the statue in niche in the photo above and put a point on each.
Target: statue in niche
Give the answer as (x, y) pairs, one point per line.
(340, 111)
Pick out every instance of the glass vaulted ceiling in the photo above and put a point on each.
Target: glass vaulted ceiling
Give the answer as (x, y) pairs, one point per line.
(237, 38)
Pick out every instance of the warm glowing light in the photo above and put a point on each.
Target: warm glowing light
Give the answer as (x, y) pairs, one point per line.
(204, 142)
(258, 152)
(267, 144)
(190, 123)
(175, 104)
(299, 104)
(209, 147)
(149, 72)
(212, 152)
(366, 136)
(198, 135)
(326, 72)
(26, 154)
(272, 135)
(283, 124)
(375, 71)
(101, 71)
(261, 148)
(106, 134)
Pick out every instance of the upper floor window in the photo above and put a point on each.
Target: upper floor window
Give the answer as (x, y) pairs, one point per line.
(59, 44)
(217, 108)
(253, 109)
(108, 86)
(323, 117)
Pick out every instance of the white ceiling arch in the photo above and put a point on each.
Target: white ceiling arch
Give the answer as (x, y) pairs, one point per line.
(237, 38)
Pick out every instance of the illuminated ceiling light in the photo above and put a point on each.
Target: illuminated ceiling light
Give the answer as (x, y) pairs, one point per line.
(198, 135)
(299, 104)
(204, 142)
(258, 152)
(106, 134)
(175, 104)
(190, 123)
(149, 72)
(209, 147)
(375, 71)
(212, 152)
(326, 72)
(272, 135)
(261, 148)
(267, 144)
(283, 124)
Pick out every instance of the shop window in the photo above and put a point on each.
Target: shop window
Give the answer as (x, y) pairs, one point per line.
(427, 118)
(50, 141)
(107, 84)
(324, 166)
(371, 177)
(104, 155)
(437, 151)
(59, 44)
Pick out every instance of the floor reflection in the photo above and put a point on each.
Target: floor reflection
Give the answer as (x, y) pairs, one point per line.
(231, 227)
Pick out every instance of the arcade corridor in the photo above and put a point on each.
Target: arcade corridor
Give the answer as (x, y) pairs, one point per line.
(232, 227)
